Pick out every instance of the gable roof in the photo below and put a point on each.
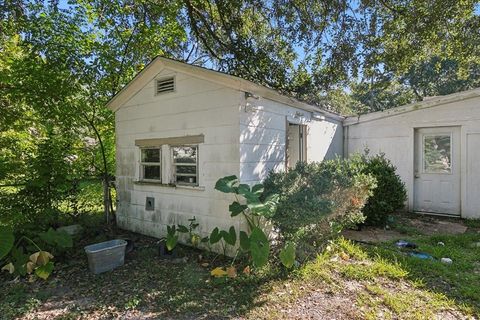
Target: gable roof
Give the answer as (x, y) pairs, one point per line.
(236, 83)
(427, 103)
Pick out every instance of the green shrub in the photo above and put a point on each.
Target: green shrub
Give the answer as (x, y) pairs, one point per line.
(390, 194)
(318, 200)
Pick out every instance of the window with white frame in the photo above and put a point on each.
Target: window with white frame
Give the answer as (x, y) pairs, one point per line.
(185, 164)
(170, 160)
(151, 164)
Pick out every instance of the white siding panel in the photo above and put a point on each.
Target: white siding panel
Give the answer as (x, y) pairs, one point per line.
(196, 107)
(472, 206)
(394, 136)
(263, 126)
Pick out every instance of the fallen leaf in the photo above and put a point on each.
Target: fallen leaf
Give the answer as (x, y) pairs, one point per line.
(41, 258)
(246, 270)
(344, 256)
(232, 272)
(218, 272)
(9, 267)
(30, 267)
(205, 264)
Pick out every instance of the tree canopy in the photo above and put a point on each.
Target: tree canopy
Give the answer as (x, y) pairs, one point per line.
(60, 61)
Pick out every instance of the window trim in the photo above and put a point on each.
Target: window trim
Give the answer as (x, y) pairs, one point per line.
(174, 166)
(142, 165)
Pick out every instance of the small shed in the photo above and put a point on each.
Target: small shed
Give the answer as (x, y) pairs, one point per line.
(435, 145)
(179, 128)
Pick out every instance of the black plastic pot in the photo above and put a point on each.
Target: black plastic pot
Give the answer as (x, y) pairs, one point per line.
(164, 253)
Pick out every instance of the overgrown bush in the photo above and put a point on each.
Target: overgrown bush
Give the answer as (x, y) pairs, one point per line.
(390, 194)
(318, 200)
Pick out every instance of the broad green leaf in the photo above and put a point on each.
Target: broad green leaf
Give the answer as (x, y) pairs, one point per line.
(43, 272)
(7, 240)
(252, 198)
(230, 237)
(55, 238)
(244, 241)
(259, 247)
(226, 184)
(182, 229)
(205, 239)
(258, 189)
(243, 188)
(171, 242)
(236, 208)
(287, 255)
(171, 230)
(215, 236)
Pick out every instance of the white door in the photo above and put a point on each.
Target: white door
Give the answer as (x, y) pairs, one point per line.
(437, 170)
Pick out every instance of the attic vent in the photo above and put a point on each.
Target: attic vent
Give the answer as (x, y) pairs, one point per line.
(165, 85)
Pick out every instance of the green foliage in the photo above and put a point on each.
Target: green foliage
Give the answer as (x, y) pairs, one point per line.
(287, 255)
(254, 209)
(17, 261)
(215, 236)
(389, 195)
(317, 200)
(172, 238)
(259, 247)
(7, 240)
(56, 239)
(253, 206)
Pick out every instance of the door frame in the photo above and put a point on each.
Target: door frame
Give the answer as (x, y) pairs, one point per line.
(462, 163)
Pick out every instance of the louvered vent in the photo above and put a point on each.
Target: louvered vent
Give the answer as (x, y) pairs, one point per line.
(165, 85)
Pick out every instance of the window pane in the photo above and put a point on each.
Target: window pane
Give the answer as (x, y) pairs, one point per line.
(186, 169)
(185, 154)
(151, 155)
(186, 180)
(437, 154)
(151, 172)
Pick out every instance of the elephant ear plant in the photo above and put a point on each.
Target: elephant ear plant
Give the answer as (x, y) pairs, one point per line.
(15, 259)
(254, 209)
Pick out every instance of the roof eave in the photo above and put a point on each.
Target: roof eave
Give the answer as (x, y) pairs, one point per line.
(433, 102)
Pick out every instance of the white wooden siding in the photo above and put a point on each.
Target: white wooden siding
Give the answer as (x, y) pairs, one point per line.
(394, 135)
(263, 125)
(196, 107)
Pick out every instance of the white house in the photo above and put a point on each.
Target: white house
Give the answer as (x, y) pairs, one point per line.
(435, 145)
(179, 128)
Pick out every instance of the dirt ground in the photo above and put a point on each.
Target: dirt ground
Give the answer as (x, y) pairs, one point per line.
(411, 223)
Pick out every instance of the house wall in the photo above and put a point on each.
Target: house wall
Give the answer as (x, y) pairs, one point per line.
(394, 136)
(263, 137)
(196, 107)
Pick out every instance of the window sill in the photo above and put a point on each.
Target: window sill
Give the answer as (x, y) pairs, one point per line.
(170, 185)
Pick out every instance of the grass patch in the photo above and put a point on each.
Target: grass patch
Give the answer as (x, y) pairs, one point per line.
(357, 281)
(459, 280)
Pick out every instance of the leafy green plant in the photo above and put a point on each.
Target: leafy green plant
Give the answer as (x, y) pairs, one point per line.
(172, 238)
(287, 255)
(193, 237)
(254, 208)
(18, 261)
(389, 195)
(58, 240)
(7, 240)
(316, 201)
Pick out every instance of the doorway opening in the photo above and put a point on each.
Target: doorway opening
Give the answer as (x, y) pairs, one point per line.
(296, 144)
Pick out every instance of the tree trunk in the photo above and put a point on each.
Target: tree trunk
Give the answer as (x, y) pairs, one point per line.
(106, 199)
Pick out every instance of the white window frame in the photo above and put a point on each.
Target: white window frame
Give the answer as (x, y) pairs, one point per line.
(143, 164)
(174, 166)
